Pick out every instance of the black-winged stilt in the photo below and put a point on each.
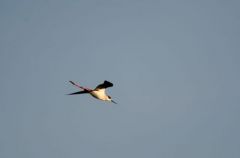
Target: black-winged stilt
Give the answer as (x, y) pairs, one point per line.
(98, 92)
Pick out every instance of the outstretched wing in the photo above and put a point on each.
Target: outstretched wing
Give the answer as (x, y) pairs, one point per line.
(80, 92)
(104, 85)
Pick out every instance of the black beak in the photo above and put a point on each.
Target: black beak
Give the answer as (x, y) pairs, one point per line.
(113, 102)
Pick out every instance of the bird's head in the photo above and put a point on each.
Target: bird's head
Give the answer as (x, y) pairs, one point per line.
(110, 99)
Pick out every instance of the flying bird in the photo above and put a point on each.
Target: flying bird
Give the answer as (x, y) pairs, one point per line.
(99, 92)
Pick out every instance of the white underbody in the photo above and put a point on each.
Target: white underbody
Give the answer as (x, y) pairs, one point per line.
(100, 94)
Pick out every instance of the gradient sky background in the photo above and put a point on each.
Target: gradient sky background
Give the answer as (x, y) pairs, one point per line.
(174, 65)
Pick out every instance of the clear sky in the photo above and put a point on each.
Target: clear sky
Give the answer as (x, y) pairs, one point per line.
(174, 65)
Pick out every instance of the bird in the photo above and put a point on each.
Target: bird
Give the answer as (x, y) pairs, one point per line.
(98, 93)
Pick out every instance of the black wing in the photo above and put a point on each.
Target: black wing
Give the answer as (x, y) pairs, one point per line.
(80, 92)
(105, 84)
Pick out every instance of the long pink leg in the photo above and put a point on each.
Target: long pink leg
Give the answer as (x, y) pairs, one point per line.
(86, 89)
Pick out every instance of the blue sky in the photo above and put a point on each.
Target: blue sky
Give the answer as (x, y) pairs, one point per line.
(174, 65)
